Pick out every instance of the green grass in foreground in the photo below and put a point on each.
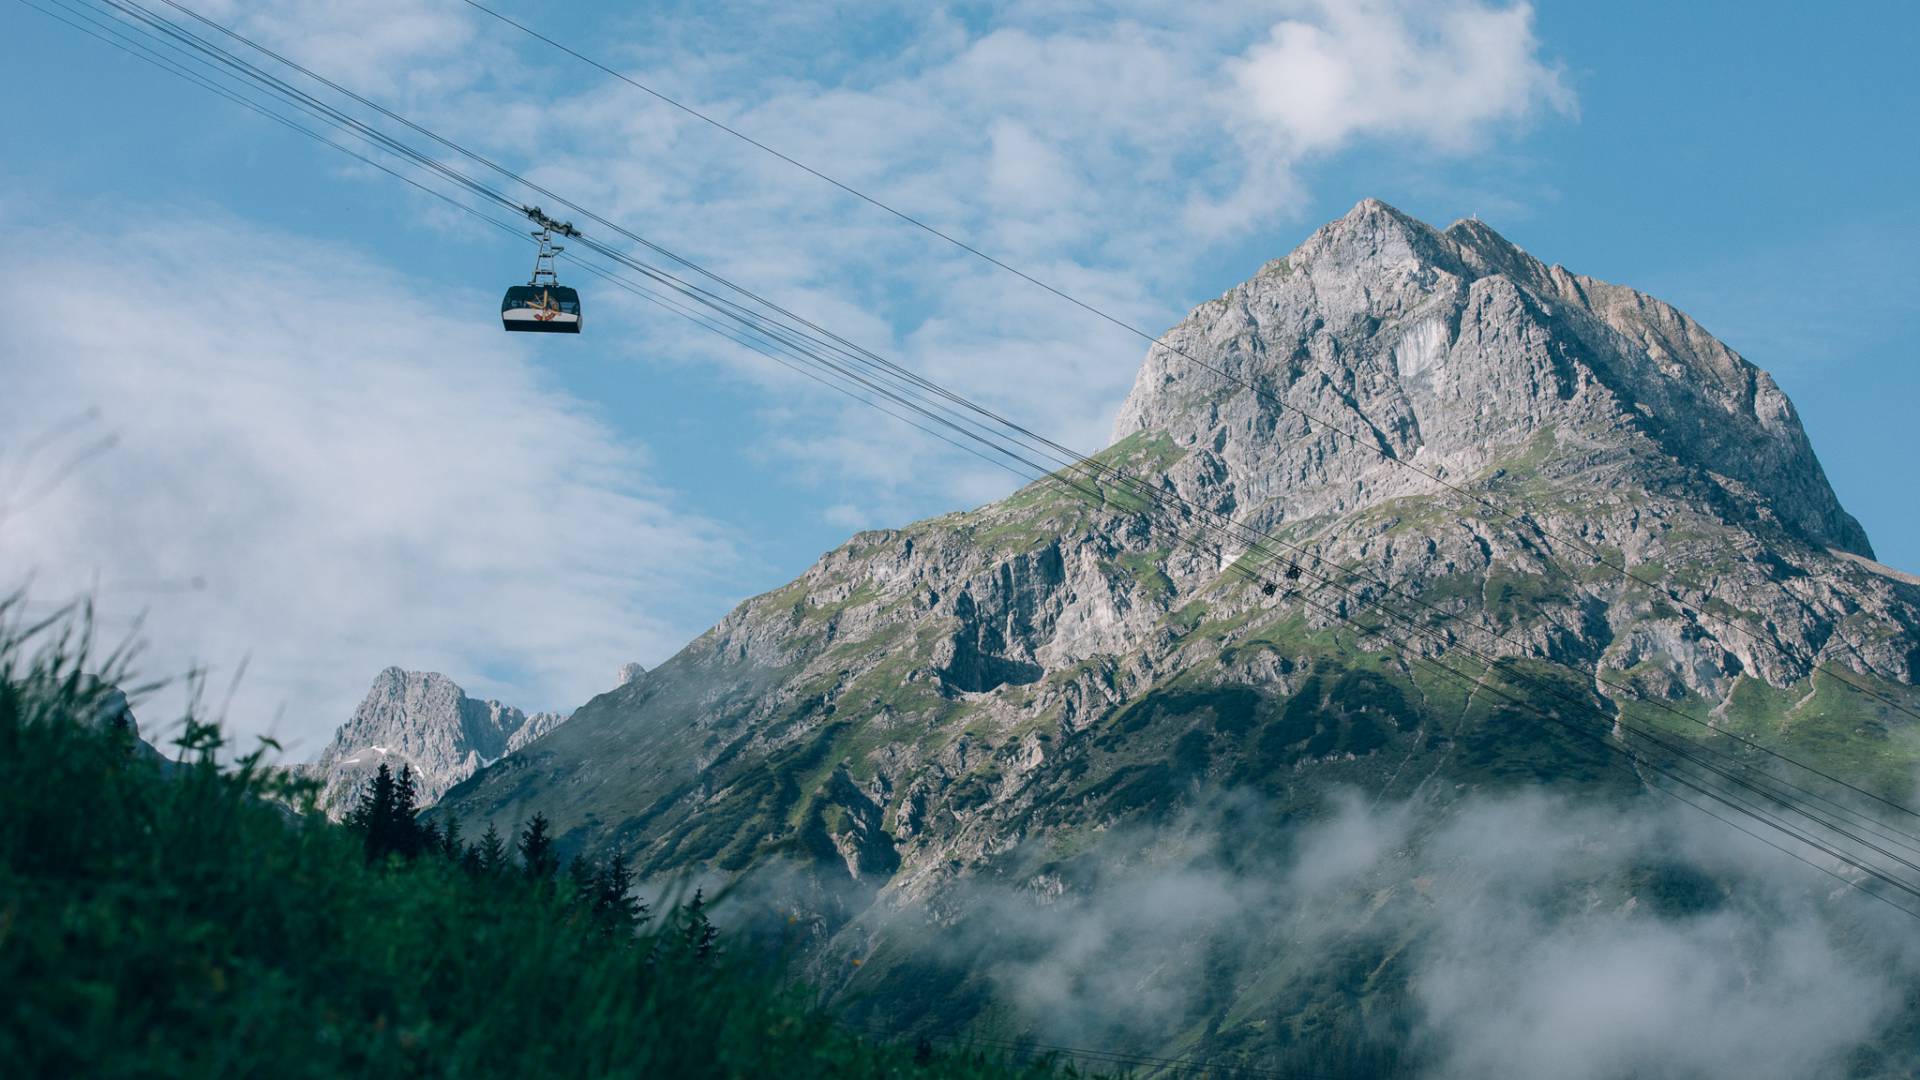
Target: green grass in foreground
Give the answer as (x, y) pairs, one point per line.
(192, 926)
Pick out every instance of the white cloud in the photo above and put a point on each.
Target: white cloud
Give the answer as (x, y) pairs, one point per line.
(848, 516)
(376, 47)
(1769, 981)
(1441, 73)
(1520, 934)
(360, 472)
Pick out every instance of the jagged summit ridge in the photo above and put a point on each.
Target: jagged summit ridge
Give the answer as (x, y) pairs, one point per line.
(425, 720)
(1448, 349)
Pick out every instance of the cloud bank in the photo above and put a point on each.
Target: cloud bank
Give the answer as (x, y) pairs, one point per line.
(1516, 935)
(324, 469)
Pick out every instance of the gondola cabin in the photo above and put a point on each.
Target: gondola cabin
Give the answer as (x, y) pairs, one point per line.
(541, 309)
(543, 305)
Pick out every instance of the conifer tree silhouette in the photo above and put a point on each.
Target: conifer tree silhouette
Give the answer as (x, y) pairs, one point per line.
(372, 818)
(613, 901)
(585, 879)
(491, 852)
(450, 839)
(696, 930)
(426, 837)
(403, 832)
(536, 850)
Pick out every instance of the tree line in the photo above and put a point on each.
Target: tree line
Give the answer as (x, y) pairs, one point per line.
(388, 821)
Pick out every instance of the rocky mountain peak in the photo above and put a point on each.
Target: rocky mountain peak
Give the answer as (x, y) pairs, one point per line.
(1486, 252)
(1375, 237)
(422, 719)
(1374, 232)
(1455, 351)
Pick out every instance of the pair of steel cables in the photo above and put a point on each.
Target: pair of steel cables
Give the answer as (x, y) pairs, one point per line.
(1833, 828)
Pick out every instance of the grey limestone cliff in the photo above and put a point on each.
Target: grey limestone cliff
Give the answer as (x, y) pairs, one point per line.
(423, 720)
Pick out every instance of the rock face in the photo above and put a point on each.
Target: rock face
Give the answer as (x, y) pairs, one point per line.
(1442, 427)
(1450, 349)
(421, 719)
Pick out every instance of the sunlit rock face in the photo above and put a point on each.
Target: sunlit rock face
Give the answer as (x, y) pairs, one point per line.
(1453, 349)
(423, 720)
(1458, 445)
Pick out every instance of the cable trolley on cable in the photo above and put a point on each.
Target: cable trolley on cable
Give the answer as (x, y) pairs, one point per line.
(543, 305)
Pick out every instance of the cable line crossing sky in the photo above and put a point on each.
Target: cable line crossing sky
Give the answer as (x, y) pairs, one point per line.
(1011, 444)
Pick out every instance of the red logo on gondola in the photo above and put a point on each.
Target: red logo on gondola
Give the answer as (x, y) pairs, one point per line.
(546, 308)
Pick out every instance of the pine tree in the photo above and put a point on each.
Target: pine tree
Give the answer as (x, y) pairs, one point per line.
(450, 847)
(536, 850)
(428, 836)
(492, 852)
(584, 878)
(403, 830)
(373, 817)
(696, 930)
(612, 901)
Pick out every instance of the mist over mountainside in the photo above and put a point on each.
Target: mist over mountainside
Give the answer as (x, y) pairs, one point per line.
(1036, 768)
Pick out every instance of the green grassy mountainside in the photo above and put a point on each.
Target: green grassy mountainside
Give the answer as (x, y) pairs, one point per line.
(188, 925)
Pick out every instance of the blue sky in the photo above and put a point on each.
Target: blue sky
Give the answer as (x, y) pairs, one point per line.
(329, 459)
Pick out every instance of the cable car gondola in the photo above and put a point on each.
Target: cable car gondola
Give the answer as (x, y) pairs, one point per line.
(543, 305)
(541, 309)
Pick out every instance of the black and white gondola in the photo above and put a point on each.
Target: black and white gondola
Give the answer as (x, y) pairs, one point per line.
(543, 305)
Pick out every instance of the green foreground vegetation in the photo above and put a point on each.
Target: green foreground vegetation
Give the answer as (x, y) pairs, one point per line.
(161, 919)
